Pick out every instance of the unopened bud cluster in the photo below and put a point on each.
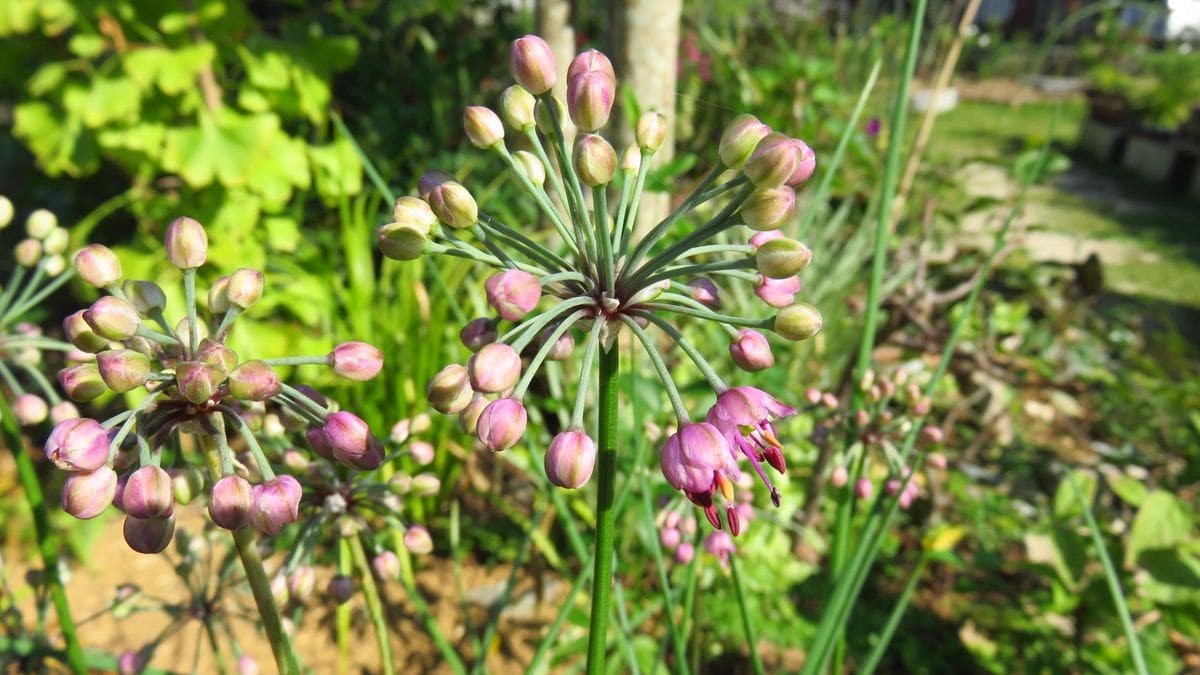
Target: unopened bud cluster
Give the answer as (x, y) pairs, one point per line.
(191, 384)
(595, 276)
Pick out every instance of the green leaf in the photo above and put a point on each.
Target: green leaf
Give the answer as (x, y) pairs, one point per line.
(111, 100)
(1174, 576)
(86, 46)
(283, 234)
(226, 147)
(46, 78)
(1131, 490)
(1161, 522)
(55, 139)
(135, 144)
(173, 71)
(1066, 504)
(337, 170)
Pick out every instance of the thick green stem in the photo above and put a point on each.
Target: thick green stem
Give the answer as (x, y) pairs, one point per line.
(345, 568)
(48, 545)
(374, 606)
(606, 482)
(260, 587)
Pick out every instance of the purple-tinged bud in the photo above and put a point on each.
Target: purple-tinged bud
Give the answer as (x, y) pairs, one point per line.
(319, 443)
(132, 663)
(685, 553)
(98, 265)
(863, 489)
(275, 503)
(513, 293)
(805, 167)
(839, 477)
(217, 355)
(651, 131)
(218, 301)
(705, 292)
(145, 296)
(937, 460)
(229, 502)
(246, 665)
(186, 483)
(862, 418)
(631, 159)
(81, 382)
(187, 243)
(768, 208)
(244, 288)
(590, 98)
(63, 411)
(112, 318)
(531, 167)
(301, 582)
(562, 348)
(416, 212)
(426, 485)
(401, 242)
(148, 493)
(782, 258)
(501, 424)
(401, 431)
(357, 361)
(812, 395)
(29, 409)
(798, 322)
(149, 535)
(123, 369)
(351, 441)
(422, 452)
(254, 381)
(570, 459)
(690, 457)
(751, 351)
(590, 60)
(494, 368)
(483, 127)
(778, 292)
(386, 565)
(341, 587)
(739, 140)
(531, 62)
(468, 417)
(922, 406)
(428, 181)
(595, 160)
(87, 493)
(197, 381)
(454, 205)
(669, 537)
(773, 161)
(517, 105)
(183, 327)
(449, 391)
(417, 540)
(479, 332)
(28, 252)
(40, 222)
(932, 434)
(80, 333)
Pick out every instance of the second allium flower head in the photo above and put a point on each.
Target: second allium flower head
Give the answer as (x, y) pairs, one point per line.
(195, 385)
(596, 275)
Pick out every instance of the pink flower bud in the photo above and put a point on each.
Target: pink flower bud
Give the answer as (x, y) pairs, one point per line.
(532, 64)
(386, 565)
(517, 106)
(778, 292)
(501, 424)
(148, 493)
(862, 418)
(863, 489)
(229, 502)
(782, 258)
(468, 417)
(450, 390)
(217, 355)
(562, 347)
(87, 493)
(351, 441)
(513, 293)
(690, 456)
(805, 167)
(112, 318)
(98, 265)
(416, 212)
(478, 332)
(685, 553)
(494, 368)
(132, 663)
(932, 434)
(751, 351)
(197, 381)
(773, 161)
(669, 537)
(187, 243)
(401, 242)
(28, 252)
(254, 381)
(341, 588)
(246, 665)
(812, 395)
(82, 382)
(798, 322)
(275, 503)
(651, 131)
(426, 485)
(319, 443)
(301, 582)
(590, 60)
(40, 222)
(590, 98)
(62, 411)
(937, 461)
(839, 477)
(631, 159)
(706, 292)
(483, 127)
(594, 159)
(123, 369)
(80, 333)
(454, 205)
(357, 361)
(417, 540)
(768, 209)
(570, 459)
(29, 409)
(149, 535)
(739, 140)
(422, 452)
(145, 296)
(428, 181)
(244, 288)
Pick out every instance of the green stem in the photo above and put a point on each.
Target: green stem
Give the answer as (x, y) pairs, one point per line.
(48, 544)
(660, 564)
(893, 622)
(189, 293)
(767, 324)
(42, 294)
(714, 380)
(747, 624)
(606, 481)
(260, 587)
(345, 568)
(374, 606)
(660, 367)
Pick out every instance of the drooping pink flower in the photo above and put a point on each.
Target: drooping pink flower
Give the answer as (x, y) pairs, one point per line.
(744, 415)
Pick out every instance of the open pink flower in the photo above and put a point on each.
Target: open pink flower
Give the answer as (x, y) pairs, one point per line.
(744, 415)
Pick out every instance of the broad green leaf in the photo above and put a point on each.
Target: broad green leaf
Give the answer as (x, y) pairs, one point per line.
(1066, 502)
(226, 147)
(1161, 522)
(283, 234)
(46, 78)
(55, 139)
(135, 144)
(18, 17)
(1131, 490)
(56, 15)
(1173, 576)
(173, 71)
(86, 46)
(111, 100)
(337, 170)
(282, 166)
(174, 22)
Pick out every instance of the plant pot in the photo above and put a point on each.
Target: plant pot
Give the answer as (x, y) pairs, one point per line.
(1102, 141)
(1149, 156)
